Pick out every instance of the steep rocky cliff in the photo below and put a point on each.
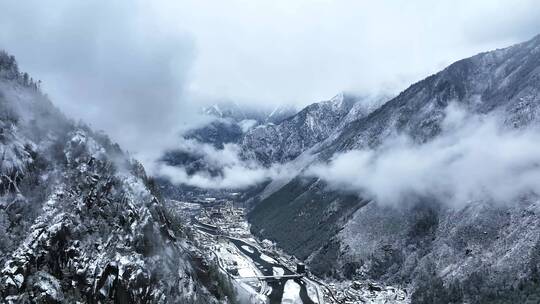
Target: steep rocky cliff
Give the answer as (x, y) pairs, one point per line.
(79, 220)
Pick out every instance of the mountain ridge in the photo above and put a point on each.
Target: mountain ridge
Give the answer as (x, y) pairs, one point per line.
(361, 243)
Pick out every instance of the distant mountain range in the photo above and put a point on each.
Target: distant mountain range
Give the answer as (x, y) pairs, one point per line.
(283, 142)
(275, 135)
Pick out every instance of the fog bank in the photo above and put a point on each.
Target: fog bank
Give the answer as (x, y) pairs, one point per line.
(473, 159)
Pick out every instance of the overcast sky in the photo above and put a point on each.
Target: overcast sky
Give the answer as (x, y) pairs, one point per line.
(138, 69)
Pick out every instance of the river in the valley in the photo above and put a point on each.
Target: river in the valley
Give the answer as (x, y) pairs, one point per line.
(267, 269)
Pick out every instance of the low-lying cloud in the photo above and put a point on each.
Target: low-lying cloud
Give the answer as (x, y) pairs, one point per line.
(112, 64)
(139, 70)
(473, 159)
(234, 171)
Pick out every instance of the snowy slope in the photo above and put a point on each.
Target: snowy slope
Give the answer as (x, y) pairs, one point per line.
(478, 253)
(283, 142)
(79, 220)
(240, 112)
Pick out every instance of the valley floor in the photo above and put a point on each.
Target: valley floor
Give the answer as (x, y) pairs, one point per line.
(262, 273)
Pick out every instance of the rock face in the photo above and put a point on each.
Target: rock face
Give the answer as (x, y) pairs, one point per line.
(79, 220)
(480, 253)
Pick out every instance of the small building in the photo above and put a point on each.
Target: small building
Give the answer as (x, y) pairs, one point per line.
(300, 268)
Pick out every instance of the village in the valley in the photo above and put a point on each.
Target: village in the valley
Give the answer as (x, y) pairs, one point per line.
(259, 270)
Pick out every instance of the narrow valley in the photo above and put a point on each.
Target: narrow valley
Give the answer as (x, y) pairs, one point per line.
(259, 270)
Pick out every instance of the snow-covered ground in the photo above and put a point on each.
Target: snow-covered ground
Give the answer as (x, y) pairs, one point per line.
(278, 271)
(291, 293)
(230, 257)
(312, 292)
(267, 258)
(247, 248)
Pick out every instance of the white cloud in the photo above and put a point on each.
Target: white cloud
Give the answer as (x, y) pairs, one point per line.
(137, 69)
(236, 173)
(473, 159)
(111, 64)
(303, 51)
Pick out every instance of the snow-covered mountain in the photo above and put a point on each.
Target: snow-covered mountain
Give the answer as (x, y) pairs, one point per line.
(229, 123)
(79, 220)
(279, 143)
(238, 112)
(263, 138)
(477, 253)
